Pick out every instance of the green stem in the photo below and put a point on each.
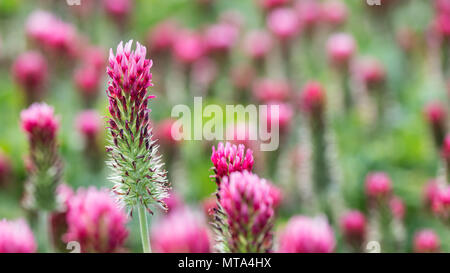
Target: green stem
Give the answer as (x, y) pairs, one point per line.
(144, 229)
(43, 218)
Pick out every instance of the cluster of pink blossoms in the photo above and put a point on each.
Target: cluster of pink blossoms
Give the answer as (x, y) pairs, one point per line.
(230, 158)
(40, 123)
(16, 237)
(96, 221)
(248, 203)
(307, 235)
(30, 72)
(52, 34)
(182, 231)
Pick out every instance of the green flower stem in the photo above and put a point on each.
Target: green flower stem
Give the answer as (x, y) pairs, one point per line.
(44, 229)
(144, 229)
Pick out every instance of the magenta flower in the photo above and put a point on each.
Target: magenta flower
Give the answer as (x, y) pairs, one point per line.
(308, 12)
(89, 123)
(249, 208)
(341, 48)
(221, 37)
(163, 133)
(441, 204)
(283, 23)
(334, 12)
(378, 185)
(426, 241)
(119, 10)
(204, 73)
(436, 116)
(397, 207)
(30, 72)
(257, 44)
(162, 36)
(312, 98)
(52, 34)
(269, 90)
(353, 226)
(96, 221)
(174, 202)
(188, 47)
(16, 237)
(94, 57)
(41, 126)
(430, 192)
(87, 81)
(270, 4)
(182, 231)
(307, 235)
(370, 71)
(39, 123)
(230, 158)
(284, 119)
(445, 150)
(137, 171)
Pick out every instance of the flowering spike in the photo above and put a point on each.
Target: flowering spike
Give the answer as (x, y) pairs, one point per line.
(130, 76)
(41, 127)
(230, 158)
(249, 209)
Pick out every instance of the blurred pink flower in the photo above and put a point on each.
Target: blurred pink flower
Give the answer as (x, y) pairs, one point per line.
(188, 47)
(39, 122)
(341, 48)
(30, 71)
(16, 237)
(370, 71)
(52, 33)
(308, 12)
(445, 152)
(270, 4)
(442, 24)
(220, 37)
(353, 226)
(397, 207)
(162, 36)
(95, 57)
(242, 76)
(276, 195)
(266, 90)
(87, 80)
(182, 231)
(312, 98)
(426, 241)
(441, 204)
(89, 123)
(435, 113)
(334, 12)
(284, 23)
(378, 185)
(119, 10)
(430, 192)
(247, 201)
(258, 44)
(174, 202)
(204, 72)
(163, 132)
(307, 235)
(96, 221)
(230, 158)
(285, 115)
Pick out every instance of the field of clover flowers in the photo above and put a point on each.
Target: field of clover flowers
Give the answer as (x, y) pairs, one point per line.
(88, 158)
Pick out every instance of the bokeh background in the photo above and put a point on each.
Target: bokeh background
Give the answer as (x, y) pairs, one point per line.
(398, 34)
